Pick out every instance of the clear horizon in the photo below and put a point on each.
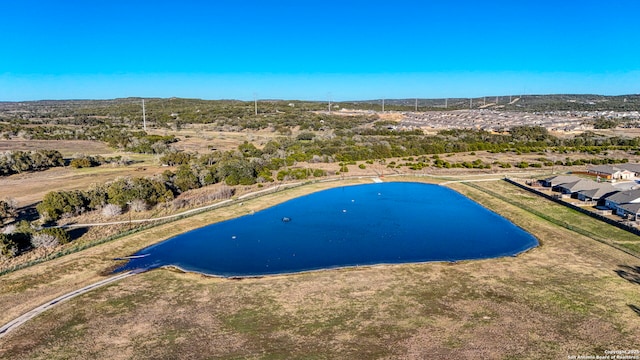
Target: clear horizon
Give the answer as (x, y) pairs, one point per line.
(317, 50)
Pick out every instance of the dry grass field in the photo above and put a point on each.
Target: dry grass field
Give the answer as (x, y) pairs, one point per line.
(202, 138)
(29, 188)
(569, 296)
(66, 147)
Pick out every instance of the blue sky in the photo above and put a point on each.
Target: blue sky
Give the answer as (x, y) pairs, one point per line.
(308, 49)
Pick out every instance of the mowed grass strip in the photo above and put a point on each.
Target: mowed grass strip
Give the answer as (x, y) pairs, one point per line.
(562, 298)
(563, 216)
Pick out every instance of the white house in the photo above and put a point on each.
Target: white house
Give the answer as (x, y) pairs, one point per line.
(611, 172)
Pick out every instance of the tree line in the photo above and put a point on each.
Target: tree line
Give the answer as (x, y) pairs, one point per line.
(246, 166)
(17, 161)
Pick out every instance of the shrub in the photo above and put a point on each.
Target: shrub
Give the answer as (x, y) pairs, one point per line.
(306, 136)
(80, 163)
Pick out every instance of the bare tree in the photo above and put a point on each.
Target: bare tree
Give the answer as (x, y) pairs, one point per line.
(110, 210)
(138, 205)
(44, 241)
(9, 229)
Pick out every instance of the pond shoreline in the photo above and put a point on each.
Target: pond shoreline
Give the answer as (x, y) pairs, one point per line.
(348, 226)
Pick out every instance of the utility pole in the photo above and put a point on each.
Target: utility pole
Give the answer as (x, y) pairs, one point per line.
(255, 104)
(144, 117)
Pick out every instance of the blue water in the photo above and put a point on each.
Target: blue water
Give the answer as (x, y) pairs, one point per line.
(353, 225)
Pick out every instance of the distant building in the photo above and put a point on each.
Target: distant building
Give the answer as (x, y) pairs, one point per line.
(611, 172)
(635, 168)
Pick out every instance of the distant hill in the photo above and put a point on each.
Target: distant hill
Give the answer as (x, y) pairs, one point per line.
(528, 103)
(559, 102)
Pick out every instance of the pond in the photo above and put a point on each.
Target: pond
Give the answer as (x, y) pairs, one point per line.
(381, 223)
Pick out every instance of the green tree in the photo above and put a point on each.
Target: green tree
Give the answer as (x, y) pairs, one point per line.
(8, 247)
(56, 203)
(185, 179)
(62, 236)
(7, 210)
(249, 150)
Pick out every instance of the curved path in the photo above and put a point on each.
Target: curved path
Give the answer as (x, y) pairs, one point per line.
(12, 325)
